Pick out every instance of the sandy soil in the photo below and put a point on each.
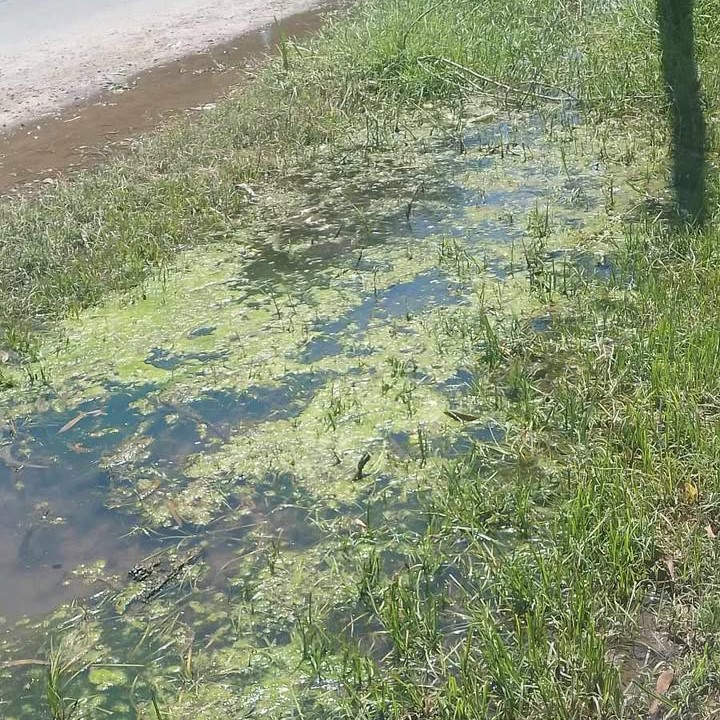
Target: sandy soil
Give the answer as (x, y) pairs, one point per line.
(54, 53)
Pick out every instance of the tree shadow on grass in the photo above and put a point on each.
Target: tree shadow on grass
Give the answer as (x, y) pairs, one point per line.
(682, 83)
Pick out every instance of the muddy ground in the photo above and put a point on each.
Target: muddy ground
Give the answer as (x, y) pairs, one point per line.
(79, 82)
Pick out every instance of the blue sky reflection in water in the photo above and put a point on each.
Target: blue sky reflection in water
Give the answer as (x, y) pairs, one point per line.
(231, 393)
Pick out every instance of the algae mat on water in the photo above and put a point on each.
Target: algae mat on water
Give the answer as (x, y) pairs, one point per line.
(278, 407)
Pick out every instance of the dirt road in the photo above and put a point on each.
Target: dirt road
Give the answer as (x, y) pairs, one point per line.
(54, 53)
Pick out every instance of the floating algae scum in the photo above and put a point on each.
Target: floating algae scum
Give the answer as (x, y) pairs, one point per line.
(258, 429)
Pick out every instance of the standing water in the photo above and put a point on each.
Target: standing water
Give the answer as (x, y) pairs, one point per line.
(202, 464)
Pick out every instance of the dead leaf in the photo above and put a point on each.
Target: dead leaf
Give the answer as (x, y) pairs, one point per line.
(460, 416)
(72, 423)
(42, 405)
(78, 448)
(174, 513)
(670, 565)
(710, 531)
(691, 492)
(662, 685)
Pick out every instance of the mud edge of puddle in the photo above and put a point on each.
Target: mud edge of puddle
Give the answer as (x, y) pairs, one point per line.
(86, 134)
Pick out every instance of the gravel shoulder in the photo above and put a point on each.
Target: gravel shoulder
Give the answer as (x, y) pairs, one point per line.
(57, 53)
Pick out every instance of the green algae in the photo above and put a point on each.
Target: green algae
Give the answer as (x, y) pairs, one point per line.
(104, 678)
(113, 343)
(354, 344)
(91, 572)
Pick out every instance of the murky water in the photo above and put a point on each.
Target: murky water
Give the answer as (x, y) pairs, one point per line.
(231, 405)
(60, 470)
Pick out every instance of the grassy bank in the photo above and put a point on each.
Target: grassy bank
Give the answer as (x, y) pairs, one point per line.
(560, 571)
(575, 575)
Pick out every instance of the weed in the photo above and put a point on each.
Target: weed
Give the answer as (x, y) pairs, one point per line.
(61, 707)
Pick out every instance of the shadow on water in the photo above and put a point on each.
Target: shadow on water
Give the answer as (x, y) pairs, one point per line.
(427, 290)
(53, 518)
(382, 206)
(52, 523)
(682, 83)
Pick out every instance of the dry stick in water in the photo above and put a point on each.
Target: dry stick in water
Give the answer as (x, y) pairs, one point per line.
(524, 88)
(22, 663)
(72, 423)
(460, 416)
(364, 460)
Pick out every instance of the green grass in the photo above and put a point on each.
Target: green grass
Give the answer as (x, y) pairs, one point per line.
(541, 565)
(57, 678)
(535, 622)
(352, 89)
(592, 533)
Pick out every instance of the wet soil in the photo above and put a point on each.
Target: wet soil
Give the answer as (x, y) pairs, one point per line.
(84, 134)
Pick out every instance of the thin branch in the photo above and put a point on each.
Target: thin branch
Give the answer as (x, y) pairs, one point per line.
(524, 88)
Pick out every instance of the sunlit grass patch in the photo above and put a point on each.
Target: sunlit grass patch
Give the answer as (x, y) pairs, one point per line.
(361, 85)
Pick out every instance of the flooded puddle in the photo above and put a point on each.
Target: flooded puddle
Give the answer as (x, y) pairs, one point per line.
(263, 413)
(85, 135)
